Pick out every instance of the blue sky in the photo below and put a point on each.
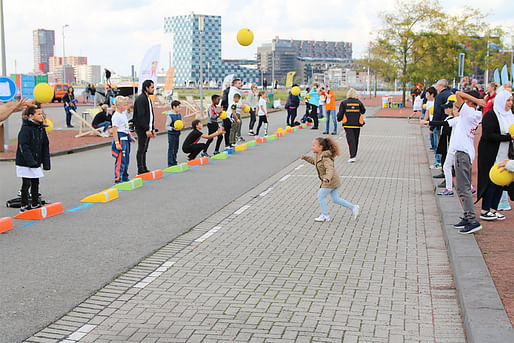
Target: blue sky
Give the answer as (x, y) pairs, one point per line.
(116, 33)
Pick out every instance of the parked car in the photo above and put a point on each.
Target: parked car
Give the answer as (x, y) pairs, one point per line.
(59, 90)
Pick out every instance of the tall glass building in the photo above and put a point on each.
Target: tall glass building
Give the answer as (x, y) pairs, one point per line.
(43, 42)
(185, 30)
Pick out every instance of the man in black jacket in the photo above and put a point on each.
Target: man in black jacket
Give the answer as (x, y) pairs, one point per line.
(440, 99)
(144, 124)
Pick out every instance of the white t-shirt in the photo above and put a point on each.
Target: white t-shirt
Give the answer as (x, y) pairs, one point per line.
(430, 103)
(262, 103)
(452, 121)
(121, 122)
(233, 90)
(418, 104)
(462, 139)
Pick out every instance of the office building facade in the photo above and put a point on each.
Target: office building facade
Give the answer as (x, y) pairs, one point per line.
(43, 48)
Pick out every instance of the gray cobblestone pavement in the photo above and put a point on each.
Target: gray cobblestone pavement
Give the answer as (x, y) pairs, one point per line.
(261, 270)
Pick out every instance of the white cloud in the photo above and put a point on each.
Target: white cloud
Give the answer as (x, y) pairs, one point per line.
(116, 33)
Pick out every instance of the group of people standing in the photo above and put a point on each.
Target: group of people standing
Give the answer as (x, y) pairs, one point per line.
(457, 114)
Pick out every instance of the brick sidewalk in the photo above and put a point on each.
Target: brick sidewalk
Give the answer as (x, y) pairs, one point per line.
(262, 270)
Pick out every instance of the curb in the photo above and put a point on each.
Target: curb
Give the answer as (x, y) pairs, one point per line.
(100, 144)
(483, 313)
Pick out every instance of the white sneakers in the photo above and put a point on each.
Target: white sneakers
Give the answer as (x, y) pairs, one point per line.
(356, 212)
(352, 160)
(322, 218)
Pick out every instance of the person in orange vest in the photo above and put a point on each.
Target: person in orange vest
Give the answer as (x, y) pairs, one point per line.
(330, 105)
(350, 114)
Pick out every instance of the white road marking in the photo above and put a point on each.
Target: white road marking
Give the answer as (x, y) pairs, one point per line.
(284, 178)
(266, 192)
(364, 177)
(208, 234)
(154, 275)
(300, 166)
(380, 136)
(81, 332)
(242, 209)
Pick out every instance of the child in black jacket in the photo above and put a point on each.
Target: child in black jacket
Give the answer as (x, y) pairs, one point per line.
(33, 150)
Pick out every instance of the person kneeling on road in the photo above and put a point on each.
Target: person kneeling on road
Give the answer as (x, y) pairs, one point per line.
(191, 145)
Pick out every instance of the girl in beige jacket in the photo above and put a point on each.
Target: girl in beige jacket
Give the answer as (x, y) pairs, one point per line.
(325, 151)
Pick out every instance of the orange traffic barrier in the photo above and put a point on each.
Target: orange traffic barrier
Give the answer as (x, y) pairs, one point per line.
(261, 140)
(153, 175)
(5, 224)
(198, 161)
(279, 133)
(309, 123)
(291, 130)
(44, 212)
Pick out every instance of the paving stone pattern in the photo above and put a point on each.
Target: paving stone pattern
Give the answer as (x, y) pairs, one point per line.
(267, 272)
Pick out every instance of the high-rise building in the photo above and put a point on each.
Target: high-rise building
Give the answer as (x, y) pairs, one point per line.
(185, 30)
(55, 62)
(86, 73)
(43, 45)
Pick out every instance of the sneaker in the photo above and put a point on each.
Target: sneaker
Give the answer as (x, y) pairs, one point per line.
(488, 216)
(438, 176)
(470, 228)
(204, 154)
(39, 204)
(216, 152)
(322, 218)
(435, 166)
(351, 160)
(499, 216)
(446, 192)
(334, 133)
(251, 133)
(241, 139)
(25, 208)
(462, 224)
(356, 212)
(325, 132)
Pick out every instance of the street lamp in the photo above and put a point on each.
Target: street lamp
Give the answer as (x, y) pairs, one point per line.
(4, 131)
(63, 55)
(273, 64)
(200, 28)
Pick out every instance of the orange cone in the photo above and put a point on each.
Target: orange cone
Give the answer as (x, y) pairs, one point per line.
(44, 212)
(153, 175)
(5, 224)
(198, 161)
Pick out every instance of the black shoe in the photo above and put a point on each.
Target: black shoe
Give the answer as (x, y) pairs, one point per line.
(463, 223)
(204, 154)
(216, 152)
(325, 132)
(470, 228)
(488, 216)
(25, 208)
(334, 133)
(442, 184)
(37, 205)
(69, 126)
(438, 176)
(314, 128)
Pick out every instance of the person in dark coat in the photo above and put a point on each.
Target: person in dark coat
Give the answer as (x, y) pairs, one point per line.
(440, 99)
(32, 152)
(350, 114)
(70, 103)
(495, 146)
(144, 124)
(293, 101)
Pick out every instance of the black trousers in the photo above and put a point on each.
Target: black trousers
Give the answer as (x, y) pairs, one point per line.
(492, 196)
(142, 148)
(33, 185)
(262, 119)
(291, 116)
(227, 124)
(213, 127)
(193, 150)
(253, 119)
(314, 115)
(352, 137)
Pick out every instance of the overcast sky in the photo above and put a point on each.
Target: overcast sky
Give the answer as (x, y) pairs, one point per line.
(116, 33)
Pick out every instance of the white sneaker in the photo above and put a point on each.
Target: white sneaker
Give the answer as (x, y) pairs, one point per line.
(351, 160)
(356, 212)
(322, 218)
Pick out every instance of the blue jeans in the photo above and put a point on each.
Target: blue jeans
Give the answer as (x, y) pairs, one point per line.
(320, 113)
(122, 158)
(173, 142)
(104, 124)
(331, 113)
(433, 140)
(322, 194)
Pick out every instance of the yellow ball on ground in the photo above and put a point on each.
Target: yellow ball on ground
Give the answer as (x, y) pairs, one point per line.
(280, 129)
(295, 90)
(223, 115)
(511, 130)
(245, 37)
(288, 127)
(178, 125)
(246, 109)
(49, 125)
(431, 110)
(43, 93)
(503, 178)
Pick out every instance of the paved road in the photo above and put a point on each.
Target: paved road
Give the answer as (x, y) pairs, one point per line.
(261, 270)
(49, 267)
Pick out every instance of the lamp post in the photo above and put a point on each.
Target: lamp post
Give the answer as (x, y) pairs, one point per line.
(63, 55)
(4, 130)
(273, 64)
(200, 28)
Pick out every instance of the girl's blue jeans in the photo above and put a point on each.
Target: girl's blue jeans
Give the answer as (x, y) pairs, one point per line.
(322, 194)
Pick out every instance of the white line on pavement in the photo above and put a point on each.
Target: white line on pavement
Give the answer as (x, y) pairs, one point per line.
(242, 209)
(266, 192)
(363, 177)
(81, 332)
(284, 178)
(380, 136)
(154, 275)
(300, 166)
(208, 234)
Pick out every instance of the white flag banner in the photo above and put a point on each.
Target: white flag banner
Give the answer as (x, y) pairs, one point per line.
(148, 69)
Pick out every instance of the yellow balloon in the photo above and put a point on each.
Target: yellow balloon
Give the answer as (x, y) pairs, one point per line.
(308, 96)
(511, 130)
(295, 90)
(49, 125)
(452, 97)
(246, 109)
(424, 106)
(178, 125)
(223, 115)
(431, 110)
(503, 178)
(43, 93)
(245, 37)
